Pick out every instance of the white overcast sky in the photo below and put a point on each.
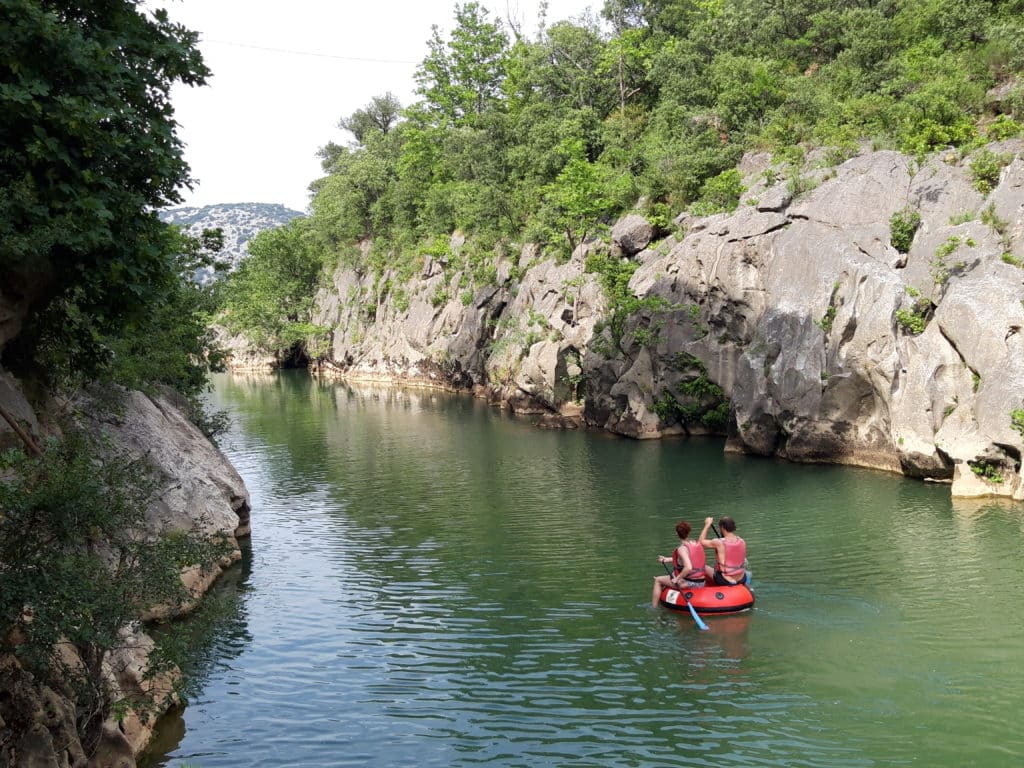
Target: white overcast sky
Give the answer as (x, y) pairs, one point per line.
(285, 72)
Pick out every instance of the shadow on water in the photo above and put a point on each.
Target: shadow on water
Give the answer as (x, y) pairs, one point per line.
(207, 640)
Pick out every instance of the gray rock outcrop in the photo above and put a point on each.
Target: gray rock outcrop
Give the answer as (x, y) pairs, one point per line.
(631, 234)
(198, 491)
(792, 324)
(244, 356)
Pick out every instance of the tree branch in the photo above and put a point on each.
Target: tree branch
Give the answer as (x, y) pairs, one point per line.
(30, 444)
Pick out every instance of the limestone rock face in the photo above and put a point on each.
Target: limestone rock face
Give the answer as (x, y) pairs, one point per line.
(126, 671)
(243, 356)
(199, 491)
(785, 324)
(513, 341)
(36, 724)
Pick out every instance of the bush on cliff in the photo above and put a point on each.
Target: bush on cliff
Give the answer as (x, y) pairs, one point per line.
(902, 228)
(1017, 420)
(77, 565)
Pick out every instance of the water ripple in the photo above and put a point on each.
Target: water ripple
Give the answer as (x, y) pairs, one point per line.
(434, 582)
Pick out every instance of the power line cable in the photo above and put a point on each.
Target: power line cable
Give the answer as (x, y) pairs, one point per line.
(309, 53)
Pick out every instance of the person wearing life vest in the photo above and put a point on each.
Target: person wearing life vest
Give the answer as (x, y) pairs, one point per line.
(687, 565)
(730, 554)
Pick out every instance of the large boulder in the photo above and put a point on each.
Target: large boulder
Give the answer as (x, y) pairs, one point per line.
(198, 488)
(631, 234)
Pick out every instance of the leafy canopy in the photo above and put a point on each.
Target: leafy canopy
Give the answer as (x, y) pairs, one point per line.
(545, 139)
(88, 151)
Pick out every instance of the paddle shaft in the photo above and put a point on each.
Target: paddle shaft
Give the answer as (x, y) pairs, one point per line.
(693, 611)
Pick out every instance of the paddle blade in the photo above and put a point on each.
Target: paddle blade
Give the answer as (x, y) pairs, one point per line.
(696, 618)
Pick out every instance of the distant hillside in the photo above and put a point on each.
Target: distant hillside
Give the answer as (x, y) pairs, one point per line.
(239, 222)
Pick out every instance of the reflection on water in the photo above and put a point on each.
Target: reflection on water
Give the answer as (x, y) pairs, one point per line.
(209, 641)
(436, 582)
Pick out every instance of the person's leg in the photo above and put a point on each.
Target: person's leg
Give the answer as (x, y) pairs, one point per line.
(660, 582)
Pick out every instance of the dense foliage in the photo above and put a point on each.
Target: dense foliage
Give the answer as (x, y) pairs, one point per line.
(94, 288)
(270, 296)
(546, 139)
(88, 151)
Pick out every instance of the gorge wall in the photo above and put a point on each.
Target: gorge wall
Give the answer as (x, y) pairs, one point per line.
(792, 324)
(197, 490)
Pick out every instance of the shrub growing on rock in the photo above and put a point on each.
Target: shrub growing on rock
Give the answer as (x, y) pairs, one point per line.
(1017, 420)
(985, 169)
(902, 228)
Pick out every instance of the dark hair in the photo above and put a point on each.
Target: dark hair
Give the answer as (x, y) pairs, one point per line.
(683, 529)
(727, 524)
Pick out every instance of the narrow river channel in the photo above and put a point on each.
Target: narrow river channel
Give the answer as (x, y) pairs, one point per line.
(432, 582)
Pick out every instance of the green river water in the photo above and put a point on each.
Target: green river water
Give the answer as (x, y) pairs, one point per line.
(432, 582)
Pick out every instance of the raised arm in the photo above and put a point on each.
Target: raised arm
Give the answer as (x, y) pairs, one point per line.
(704, 541)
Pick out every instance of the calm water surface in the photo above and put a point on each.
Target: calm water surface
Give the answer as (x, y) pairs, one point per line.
(434, 583)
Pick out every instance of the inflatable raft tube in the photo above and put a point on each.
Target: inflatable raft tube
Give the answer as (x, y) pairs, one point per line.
(709, 599)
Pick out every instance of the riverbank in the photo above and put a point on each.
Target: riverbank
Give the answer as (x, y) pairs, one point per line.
(195, 494)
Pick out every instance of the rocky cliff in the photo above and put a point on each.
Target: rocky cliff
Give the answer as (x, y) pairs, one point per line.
(197, 490)
(867, 312)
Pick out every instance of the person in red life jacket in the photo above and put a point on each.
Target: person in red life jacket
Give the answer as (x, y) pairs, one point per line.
(687, 565)
(730, 554)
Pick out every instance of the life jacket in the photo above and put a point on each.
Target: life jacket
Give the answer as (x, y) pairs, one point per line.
(697, 560)
(735, 558)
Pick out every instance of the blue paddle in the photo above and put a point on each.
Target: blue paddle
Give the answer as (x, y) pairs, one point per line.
(693, 611)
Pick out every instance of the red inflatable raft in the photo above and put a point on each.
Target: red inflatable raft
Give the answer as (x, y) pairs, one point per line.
(709, 599)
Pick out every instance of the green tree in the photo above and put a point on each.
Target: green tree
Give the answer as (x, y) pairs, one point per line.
(461, 79)
(270, 297)
(627, 60)
(173, 344)
(747, 89)
(88, 151)
(570, 68)
(346, 203)
(581, 195)
(379, 116)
